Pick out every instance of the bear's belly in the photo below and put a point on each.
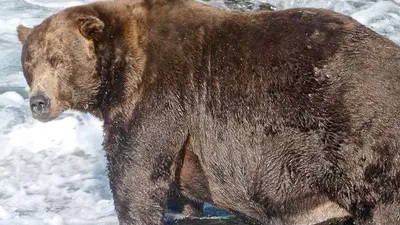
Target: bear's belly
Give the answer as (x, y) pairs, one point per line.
(263, 176)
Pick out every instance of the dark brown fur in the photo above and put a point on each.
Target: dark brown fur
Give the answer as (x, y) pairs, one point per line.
(285, 117)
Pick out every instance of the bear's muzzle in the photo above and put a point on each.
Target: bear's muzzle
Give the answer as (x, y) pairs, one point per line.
(40, 105)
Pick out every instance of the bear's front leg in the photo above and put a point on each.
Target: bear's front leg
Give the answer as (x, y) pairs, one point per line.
(140, 161)
(139, 197)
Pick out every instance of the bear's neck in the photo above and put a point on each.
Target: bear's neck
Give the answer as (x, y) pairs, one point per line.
(121, 61)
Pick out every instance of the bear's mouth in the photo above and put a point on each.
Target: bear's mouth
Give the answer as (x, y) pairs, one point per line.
(42, 118)
(48, 116)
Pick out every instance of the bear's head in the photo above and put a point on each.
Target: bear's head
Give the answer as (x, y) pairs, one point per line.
(59, 63)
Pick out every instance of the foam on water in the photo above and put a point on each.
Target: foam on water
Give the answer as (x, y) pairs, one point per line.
(60, 4)
(51, 173)
(55, 173)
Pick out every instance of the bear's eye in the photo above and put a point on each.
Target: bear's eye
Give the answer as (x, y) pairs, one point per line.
(55, 61)
(28, 68)
(28, 73)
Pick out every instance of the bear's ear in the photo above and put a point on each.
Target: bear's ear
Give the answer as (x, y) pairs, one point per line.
(23, 33)
(90, 27)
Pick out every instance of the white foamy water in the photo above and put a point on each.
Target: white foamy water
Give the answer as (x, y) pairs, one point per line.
(55, 173)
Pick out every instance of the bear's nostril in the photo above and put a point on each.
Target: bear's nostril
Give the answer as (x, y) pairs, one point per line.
(39, 104)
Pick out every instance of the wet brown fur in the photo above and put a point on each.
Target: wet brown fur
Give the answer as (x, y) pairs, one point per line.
(280, 115)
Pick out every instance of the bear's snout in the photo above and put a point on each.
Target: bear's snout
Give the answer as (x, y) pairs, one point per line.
(40, 106)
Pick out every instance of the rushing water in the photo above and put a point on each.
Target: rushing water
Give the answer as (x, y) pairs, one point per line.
(55, 173)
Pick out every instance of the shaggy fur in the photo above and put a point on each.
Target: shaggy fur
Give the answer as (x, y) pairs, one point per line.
(286, 117)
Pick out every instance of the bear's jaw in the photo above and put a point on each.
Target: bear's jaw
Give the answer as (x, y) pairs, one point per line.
(41, 119)
(45, 119)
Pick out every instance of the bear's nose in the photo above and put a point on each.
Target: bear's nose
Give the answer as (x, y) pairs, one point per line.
(39, 104)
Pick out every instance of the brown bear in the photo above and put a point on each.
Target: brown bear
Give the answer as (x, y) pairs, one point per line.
(284, 117)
